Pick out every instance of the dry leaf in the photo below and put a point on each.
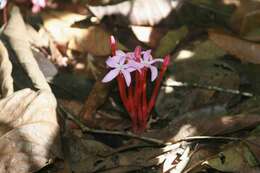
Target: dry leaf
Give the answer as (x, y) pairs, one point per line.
(96, 98)
(241, 49)
(245, 19)
(149, 35)
(191, 124)
(6, 79)
(128, 12)
(29, 131)
(58, 23)
(17, 37)
(94, 39)
(83, 154)
(236, 158)
(170, 41)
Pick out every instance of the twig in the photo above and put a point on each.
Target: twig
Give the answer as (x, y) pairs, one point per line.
(86, 129)
(196, 138)
(215, 88)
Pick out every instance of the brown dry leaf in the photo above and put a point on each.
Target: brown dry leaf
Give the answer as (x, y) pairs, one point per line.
(96, 98)
(195, 124)
(241, 49)
(141, 157)
(174, 101)
(94, 39)
(245, 19)
(235, 158)
(29, 131)
(83, 154)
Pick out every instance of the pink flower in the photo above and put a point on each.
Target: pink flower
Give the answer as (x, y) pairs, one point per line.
(3, 3)
(147, 62)
(38, 5)
(118, 63)
(134, 97)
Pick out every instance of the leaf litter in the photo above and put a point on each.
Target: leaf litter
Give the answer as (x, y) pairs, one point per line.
(207, 113)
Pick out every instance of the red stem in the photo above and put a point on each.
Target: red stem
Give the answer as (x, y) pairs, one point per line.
(112, 42)
(158, 83)
(144, 100)
(122, 91)
(5, 15)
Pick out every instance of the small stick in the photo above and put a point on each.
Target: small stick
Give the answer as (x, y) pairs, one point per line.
(86, 129)
(215, 88)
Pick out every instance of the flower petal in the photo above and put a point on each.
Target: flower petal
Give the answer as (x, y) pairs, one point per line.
(112, 62)
(127, 77)
(120, 53)
(130, 55)
(135, 64)
(3, 4)
(111, 75)
(154, 72)
(156, 60)
(147, 55)
(130, 69)
(122, 60)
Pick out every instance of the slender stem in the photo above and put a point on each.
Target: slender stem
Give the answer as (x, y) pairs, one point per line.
(157, 83)
(139, 90)
(122, 91)
(144, 100)
(112, 42)
(5, 11)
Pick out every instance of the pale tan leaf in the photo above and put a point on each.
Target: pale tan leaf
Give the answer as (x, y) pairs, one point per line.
(29, 131)
(6, 79)
(17, 36)
(241, 49)
(93, 39)
(58, 23)
(153, 11)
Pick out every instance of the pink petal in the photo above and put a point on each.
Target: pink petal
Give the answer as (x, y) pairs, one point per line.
(36, 8)
(135, 64)
(130, 55)
(154, 72)
(147, 55)
(122, 60)
(127, 77)
(40, 3)
(120, 53)
(156, 60)
(3, 4)
(112, 62)
(111, 75)
(130, 69)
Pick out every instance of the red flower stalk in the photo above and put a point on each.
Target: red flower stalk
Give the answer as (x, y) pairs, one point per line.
(134, 94)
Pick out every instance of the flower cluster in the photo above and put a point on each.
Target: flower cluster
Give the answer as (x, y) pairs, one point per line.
(132, 72)
(37, 4)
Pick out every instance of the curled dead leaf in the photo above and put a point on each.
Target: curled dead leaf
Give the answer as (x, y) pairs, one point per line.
(29, 131)
(241, 49)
